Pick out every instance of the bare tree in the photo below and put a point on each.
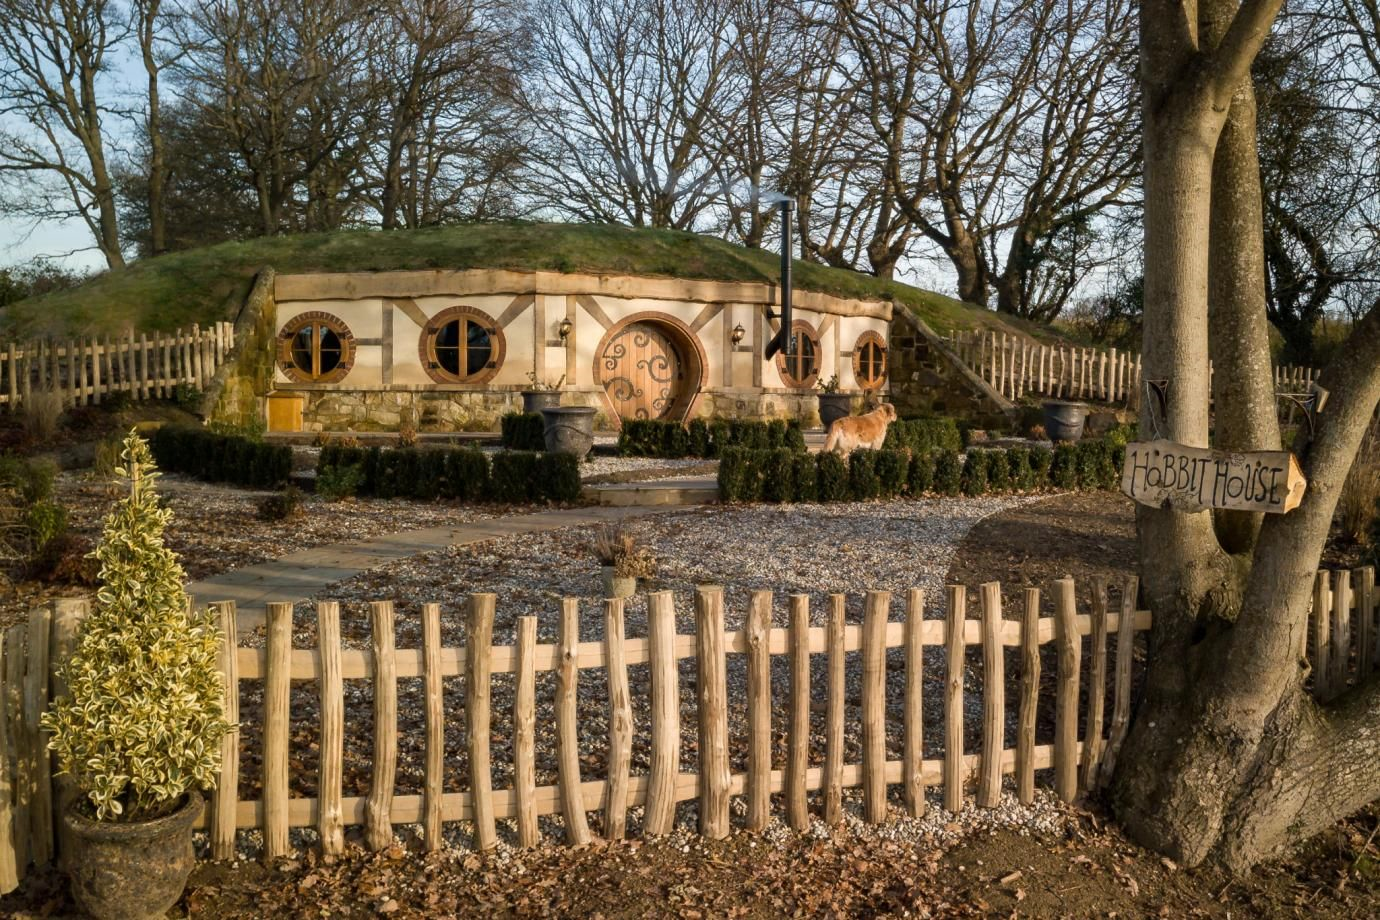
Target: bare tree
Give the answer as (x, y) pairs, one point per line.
(52, 54)
(1229, 758)
(1004, 124)
(624, 93)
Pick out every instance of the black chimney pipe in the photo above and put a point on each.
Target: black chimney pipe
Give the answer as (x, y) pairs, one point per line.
(782, 339)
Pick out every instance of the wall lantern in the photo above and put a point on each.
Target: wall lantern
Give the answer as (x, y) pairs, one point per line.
(563, 330)
(738, 333)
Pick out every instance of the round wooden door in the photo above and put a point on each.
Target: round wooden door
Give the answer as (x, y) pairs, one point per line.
(643, 371)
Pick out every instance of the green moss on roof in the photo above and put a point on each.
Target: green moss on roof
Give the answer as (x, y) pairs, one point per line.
(205, 285)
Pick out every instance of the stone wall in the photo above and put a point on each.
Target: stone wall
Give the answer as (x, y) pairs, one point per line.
(429, 410)
(928, 379)
(235, 398)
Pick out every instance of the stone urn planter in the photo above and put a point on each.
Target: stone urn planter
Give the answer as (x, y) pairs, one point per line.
(537, 400)
(616, 585)
(124, 871)
(834, 406)
(1064, 420)
(569, 430)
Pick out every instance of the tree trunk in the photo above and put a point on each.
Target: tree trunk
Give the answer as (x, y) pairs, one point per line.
(1243, 391)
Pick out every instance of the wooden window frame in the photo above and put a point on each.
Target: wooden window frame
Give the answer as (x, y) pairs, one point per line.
(427, 346)
(799, 327)
(875, 339)
(287, 361)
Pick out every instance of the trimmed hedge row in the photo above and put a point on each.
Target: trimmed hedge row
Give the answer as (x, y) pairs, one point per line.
(523, 431)
(700, 438)
(216, 457)
(780, 475)
(460, 473)
(921, 434)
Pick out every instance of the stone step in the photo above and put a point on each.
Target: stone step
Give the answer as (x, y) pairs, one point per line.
(644, 494)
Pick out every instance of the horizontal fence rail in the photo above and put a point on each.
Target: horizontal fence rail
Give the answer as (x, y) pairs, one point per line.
(1016, 366)
(85, 371)
(1342, 643)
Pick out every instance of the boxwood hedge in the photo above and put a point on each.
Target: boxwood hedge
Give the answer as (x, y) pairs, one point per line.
(456, 473)
(216, 457)
(661, 438)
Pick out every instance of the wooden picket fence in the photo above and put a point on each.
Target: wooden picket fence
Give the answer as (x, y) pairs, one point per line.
(1343, 637)
(82, 371)
(31, 796)
(1016, 366)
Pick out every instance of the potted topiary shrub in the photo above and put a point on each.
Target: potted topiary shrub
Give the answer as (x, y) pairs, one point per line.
(140, 725)
(623, 559)
(833, 405)
(541, 395)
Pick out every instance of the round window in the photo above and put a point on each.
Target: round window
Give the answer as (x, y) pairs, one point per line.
(316, 348)
(869, 361)
(461, 345)
(799, 363)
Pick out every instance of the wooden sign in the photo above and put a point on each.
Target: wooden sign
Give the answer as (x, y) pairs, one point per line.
(1157, 473)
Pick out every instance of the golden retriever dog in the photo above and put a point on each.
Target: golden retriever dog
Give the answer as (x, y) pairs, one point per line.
(851, 432)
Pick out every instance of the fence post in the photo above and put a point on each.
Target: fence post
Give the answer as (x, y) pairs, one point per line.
(620, 722)
(874, 705)
(35, 702)
(758, 636)
(1341, 631)
(378, 807)
(993, 697)
(567, 727)
(277, 692)
(1097, 684)
(479, 638)
(15, 641)
(225, 800)
(524, 733)
(913, 744)
(433, 776)
(712, 692)
(1030, 697)
(9, 867)
(833, 730)
(955, 618)
(665, 711)
(1322, 636)
(1365, 610)
(1066, 691)
(331, 820)
(1121, 678)
(798, 735)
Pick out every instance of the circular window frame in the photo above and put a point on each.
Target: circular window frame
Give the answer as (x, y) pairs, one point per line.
(871, 337)
(312, 318)
(426, 346)
(801, 327)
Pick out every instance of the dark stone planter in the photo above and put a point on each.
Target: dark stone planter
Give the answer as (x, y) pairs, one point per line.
(834, 406)
(128, 871)
(1064, 420)
(569, 430)
(537, 400)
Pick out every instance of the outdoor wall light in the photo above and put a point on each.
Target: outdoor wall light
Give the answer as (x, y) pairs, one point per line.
(563, 330)
(738, 333)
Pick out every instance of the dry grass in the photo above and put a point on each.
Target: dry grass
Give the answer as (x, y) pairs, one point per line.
(1359, 505)
(42, 413)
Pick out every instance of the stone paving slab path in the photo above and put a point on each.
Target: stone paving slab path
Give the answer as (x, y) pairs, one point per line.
(297, 576)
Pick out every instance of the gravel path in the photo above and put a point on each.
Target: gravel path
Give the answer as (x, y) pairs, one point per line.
(811, 549)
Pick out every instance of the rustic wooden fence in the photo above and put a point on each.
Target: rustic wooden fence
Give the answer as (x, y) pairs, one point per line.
(30, 795)
(1016, 366)
(82, 371)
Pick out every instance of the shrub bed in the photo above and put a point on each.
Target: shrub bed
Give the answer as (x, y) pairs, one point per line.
(455, 473)
(923, 434)
(216, 457)
(523, 431)
(781, 475)
(674, 440)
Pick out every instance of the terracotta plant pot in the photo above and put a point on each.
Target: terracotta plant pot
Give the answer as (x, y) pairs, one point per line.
(135, 870)
(834, 406)
(614, 586)
(1064, 420)
(570, 430)
(537, 400)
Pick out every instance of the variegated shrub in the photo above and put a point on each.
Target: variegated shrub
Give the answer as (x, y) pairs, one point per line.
(143, 716)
